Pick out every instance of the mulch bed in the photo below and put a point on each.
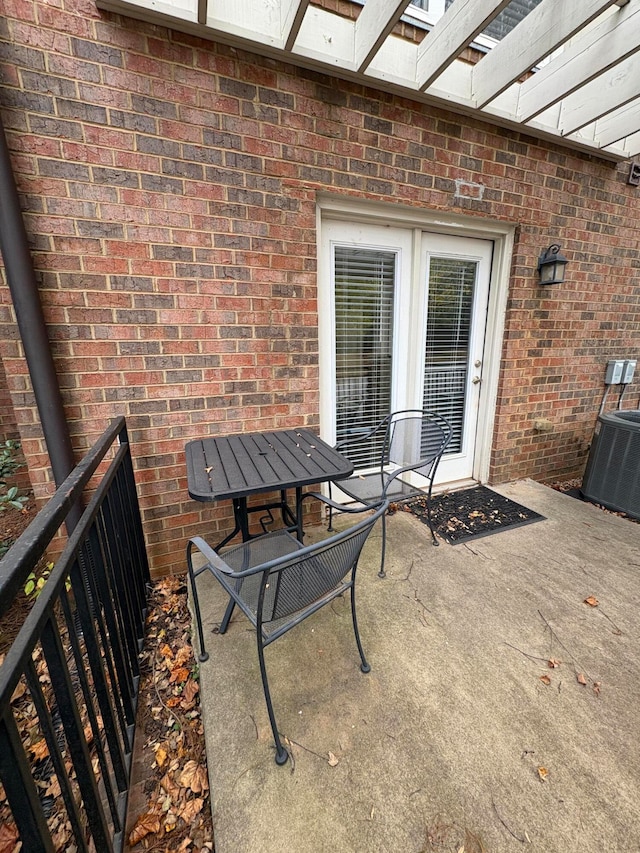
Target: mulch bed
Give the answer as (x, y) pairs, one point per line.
(169, 809)
(469, 514)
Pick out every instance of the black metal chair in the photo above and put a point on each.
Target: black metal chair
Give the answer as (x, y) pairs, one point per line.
(277, 582)
(405, 444)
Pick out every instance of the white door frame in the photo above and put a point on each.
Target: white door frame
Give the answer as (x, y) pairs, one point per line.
(332, 208)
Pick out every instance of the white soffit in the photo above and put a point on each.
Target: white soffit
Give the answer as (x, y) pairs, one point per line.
(585, 96)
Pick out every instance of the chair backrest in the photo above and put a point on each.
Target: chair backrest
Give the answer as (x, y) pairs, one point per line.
(416, 441)
(309, 577)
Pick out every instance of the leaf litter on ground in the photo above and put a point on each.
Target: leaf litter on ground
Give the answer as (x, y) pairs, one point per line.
(176, 815)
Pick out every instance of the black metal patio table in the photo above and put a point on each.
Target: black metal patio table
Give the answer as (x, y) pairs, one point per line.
(235, 467)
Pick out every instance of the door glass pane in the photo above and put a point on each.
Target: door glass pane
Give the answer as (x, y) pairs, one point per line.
(364, 297)
(451, 286)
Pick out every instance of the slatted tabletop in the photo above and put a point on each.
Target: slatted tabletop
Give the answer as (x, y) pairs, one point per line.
(236, 466)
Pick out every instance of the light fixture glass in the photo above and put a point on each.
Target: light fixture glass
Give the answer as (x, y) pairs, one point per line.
(551, 265)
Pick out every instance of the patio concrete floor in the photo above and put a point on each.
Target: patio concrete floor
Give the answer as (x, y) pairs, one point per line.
(453, 740)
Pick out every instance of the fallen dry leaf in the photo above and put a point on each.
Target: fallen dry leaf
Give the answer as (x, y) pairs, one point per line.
(592, 601)
(169, 785)
(581, 679)
(161, 756)
(184, 654)
(543, 773)
(19, 692)
(553, 663)
(333, 761)
(147, 824)
(194, 776)
(190, 690)
(596, 688)
(8, 837)
(53, 789)
(191, 809)
(179, 674)
(545, 679)
(39, 749)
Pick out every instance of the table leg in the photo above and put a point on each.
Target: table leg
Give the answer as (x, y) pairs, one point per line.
(300, 532)
(241, 518)
(241, 524)
(289, 518)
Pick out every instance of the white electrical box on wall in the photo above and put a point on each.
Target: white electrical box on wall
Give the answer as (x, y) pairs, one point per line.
(628, 369)
(613, 375)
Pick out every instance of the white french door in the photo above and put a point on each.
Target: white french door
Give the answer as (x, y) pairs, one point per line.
(408, 318)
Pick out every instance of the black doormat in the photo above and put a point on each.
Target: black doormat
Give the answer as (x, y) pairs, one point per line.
(472, 513)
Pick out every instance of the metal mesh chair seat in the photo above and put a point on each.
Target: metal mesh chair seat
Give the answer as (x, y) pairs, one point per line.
(278, 582)
(405, 449)
(368, 488)
(296, 584)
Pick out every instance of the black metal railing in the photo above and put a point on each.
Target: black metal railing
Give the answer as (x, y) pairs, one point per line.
(69, 681)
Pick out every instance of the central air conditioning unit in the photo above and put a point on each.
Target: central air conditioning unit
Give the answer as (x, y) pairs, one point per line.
(612, 475)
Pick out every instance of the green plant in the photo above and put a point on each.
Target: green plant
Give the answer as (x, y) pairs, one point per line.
(12, 498)
(9, 461)
(9, 464)
(35, 584)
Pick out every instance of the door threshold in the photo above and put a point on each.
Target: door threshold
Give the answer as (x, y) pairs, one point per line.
(455, 486)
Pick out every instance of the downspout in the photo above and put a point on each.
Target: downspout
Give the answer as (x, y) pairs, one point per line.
(31, 324)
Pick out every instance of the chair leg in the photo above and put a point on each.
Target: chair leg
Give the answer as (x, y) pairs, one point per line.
(227, 616)
(203, 655)
(382, 573)
(330, 528)
(281, 753)
(433, 535)
(364, 665)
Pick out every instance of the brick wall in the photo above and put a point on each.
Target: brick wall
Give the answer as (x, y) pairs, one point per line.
(9, 430)
(169, 188)
(8, 425)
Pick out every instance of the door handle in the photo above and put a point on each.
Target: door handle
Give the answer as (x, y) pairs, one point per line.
(476, 380)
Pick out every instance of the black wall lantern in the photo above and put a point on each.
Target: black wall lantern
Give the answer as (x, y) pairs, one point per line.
(551, 265)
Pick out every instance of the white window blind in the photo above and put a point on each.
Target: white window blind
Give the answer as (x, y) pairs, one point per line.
(364, 299)
(450, 304)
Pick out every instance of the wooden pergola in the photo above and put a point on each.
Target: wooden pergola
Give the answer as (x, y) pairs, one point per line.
(586, 95)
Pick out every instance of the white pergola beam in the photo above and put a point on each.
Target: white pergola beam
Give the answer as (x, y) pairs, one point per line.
(544, 29)
(633, 145)
(618, 124)
(291, 17)
(601, 96)
(457, 28)
(327, 39)
(376, 20)
(591, 54)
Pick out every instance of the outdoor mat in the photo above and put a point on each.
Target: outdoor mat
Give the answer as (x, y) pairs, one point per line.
(472, 513)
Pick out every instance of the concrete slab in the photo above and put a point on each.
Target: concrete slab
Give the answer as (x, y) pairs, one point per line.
(454, 740)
